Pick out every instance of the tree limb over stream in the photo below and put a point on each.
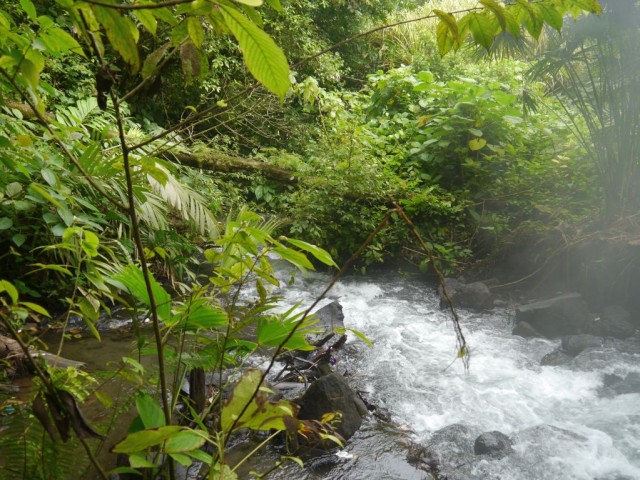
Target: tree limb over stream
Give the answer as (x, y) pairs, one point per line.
(221, 162)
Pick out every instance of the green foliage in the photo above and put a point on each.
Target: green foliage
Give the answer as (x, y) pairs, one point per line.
(93, 214)
(592, 71)
(28, 452)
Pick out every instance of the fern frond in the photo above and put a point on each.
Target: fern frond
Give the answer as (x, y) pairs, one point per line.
(26, 451)
(190, 204)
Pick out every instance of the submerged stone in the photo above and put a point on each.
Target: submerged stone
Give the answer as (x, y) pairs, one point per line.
(492, 443)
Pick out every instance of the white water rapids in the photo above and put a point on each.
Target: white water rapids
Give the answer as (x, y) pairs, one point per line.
(561, 423)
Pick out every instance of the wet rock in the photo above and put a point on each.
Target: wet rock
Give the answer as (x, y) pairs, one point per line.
(573, 345)
(331, 393)
(547, 436)
(616, 385)
(492, 443)
(615, 322)
(566, 314)
(452, 444)
(556, 358)
(323, 463)
(474, 296)
(329, 317)
(418, 456)
(524, 329)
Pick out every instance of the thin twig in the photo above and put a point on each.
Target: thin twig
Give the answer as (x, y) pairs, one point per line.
(463, 349)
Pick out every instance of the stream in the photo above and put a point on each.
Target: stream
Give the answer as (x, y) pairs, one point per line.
(562, 421)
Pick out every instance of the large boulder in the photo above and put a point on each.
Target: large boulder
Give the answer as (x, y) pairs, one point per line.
(615, 385)
(573, 345)
(331, 393)
(474, 296)
(492, 443)
(524, 329)
(556, 358)
(614, 321)
(566, 314)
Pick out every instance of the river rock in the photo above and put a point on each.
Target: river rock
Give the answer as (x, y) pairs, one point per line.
(566, 314)
(492, 443)
(524, 329)
(474, 296)
(556, 358)
(453, 444)
(331, 393)
(329, 317)
(547, 435)
(614, 321)
(573, 345)
(616, 385)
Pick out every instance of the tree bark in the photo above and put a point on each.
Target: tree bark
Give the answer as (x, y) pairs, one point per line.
(221, 162)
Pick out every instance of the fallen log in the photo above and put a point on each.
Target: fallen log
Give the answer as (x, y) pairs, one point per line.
(221, 162)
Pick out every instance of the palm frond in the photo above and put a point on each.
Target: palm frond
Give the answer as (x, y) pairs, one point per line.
(190, 204)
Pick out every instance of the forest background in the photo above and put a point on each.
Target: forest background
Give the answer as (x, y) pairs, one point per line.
(155, 155)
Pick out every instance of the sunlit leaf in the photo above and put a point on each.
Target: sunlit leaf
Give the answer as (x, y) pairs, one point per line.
(477, 143)
(148, 20)
(149, 410)
(132, 279)
(295, 258)
(119, 30)
(497, 10)
(29, 9)
(260, 413)
(263, 57)
(205, 316)
(8, 287)
(196, 32)
(481, 29)
(34, 307)
(185, 441)
(251, 3)
(140, 441)
(319, 253)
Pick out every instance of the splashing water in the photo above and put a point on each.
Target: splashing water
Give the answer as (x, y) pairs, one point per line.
(561, 424)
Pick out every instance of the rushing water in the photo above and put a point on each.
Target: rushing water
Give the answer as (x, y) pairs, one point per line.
(562, 422)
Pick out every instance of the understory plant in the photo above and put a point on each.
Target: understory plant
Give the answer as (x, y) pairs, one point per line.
(93, 212)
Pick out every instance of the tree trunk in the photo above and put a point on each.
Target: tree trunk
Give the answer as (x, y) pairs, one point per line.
(221, 162)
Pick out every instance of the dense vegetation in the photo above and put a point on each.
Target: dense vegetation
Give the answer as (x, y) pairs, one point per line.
(159, 155)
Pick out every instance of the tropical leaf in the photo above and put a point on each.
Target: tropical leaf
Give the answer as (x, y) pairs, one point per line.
(263, 57)
(120, 32)
(190, 204)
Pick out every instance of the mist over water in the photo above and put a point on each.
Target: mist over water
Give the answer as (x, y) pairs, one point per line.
(562, 422)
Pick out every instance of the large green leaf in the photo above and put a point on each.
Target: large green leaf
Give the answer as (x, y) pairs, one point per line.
(497, 10)
(140, 441)
(132, 279)
(551, 16)
(185, 441)
(531, 16)
(481, 29)
(319, 253)
(204, 316)
(272, 332)
(119, 30)
(260, 413)
(150, 412)
(263, 57)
